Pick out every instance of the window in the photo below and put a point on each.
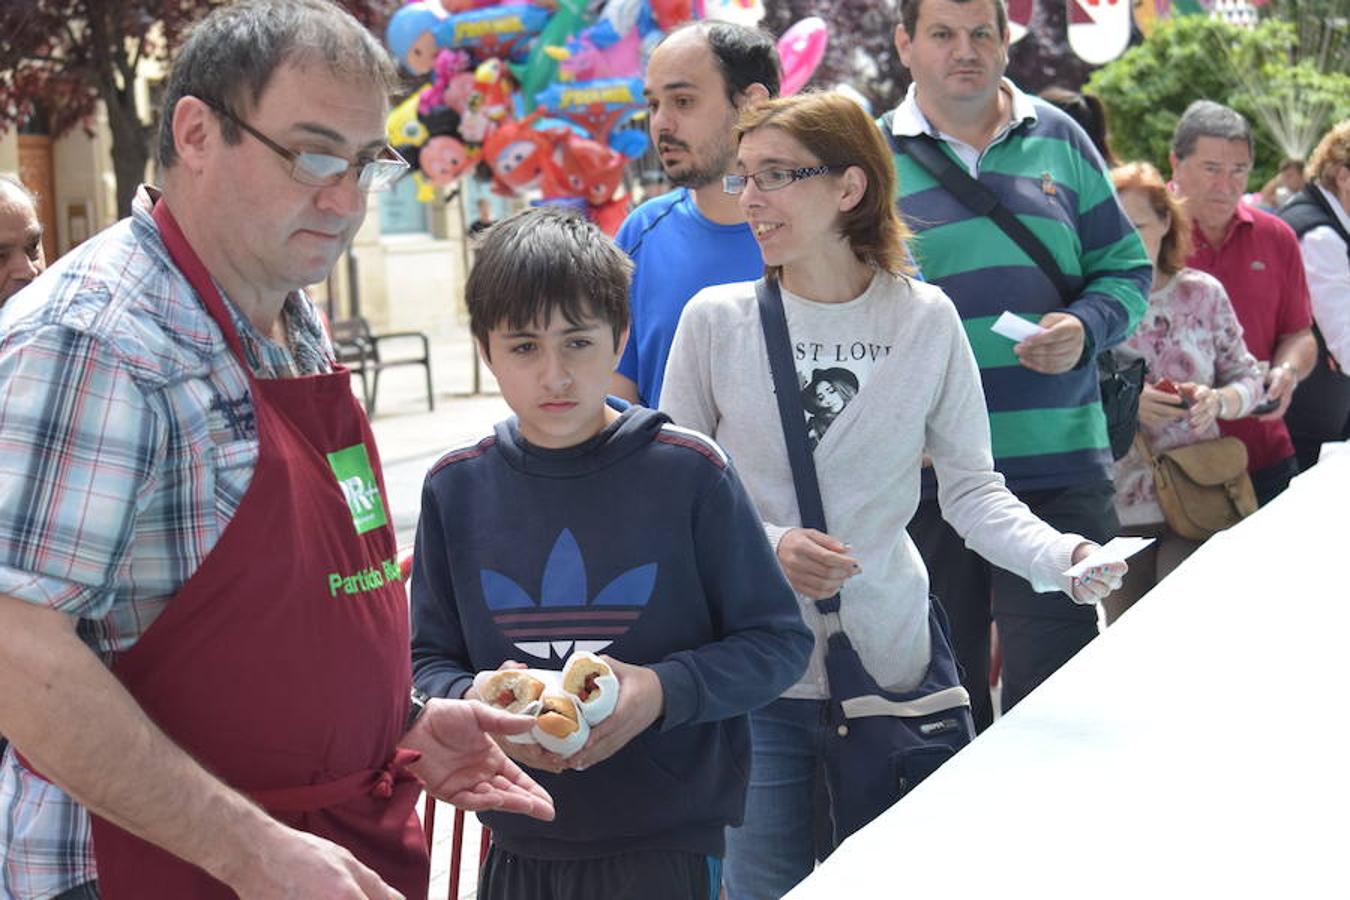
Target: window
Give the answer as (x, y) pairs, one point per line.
(400, 211)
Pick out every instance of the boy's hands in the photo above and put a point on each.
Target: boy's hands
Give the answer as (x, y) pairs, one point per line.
(532, 755)
(535, 757)
(641, 701)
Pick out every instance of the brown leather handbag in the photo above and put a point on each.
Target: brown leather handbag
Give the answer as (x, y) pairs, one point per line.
(1203, 487)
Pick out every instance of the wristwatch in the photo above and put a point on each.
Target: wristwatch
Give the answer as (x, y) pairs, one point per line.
(1293, 372)
(417, 704)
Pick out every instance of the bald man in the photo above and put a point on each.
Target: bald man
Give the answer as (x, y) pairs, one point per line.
(21, 258)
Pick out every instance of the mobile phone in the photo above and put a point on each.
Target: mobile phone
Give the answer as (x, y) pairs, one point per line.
(1265, 407)
(1165, 385)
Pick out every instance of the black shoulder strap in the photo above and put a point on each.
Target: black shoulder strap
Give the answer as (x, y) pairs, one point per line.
(790, 411)
(792, 416)
(979, 199)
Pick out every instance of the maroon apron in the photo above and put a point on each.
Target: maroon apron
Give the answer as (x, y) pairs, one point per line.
(283, 664)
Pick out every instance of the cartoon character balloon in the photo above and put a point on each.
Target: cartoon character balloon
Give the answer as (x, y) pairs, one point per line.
(518, 154)
(411, 36)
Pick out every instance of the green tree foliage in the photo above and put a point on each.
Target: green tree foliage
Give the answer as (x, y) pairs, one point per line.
(1290, 102)
(1323, 28)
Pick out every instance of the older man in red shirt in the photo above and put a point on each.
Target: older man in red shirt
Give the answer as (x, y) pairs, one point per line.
(1256, 258)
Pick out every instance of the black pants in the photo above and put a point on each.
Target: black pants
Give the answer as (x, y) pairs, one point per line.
(637, 875)
(1039, 632)
(1271, 481)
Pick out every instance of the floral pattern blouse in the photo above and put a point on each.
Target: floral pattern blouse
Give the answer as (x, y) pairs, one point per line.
(1189, 333)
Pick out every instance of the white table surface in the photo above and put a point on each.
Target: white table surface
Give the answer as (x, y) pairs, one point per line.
(1198, 748)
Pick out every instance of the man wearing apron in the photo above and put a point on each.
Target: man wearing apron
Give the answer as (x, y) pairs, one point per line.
(203, 636)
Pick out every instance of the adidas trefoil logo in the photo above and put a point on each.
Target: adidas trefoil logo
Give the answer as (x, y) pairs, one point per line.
(565, 618)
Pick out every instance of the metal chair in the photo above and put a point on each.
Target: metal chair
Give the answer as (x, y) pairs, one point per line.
(456, 843)
(405, 564)
(357, 348)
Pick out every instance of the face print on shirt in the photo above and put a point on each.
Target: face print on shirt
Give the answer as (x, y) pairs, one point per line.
(825, 395)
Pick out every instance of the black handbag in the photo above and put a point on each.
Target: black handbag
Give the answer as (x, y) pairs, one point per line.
(1320, 410)
(1120, 387)
(879, 744)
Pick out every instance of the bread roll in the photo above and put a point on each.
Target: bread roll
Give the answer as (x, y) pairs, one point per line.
(591, 680)
(560, 727)
(510, 689)
(558, 717)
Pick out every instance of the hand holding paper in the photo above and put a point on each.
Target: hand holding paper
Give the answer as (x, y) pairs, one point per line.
(1015, 328)
(1098, 570)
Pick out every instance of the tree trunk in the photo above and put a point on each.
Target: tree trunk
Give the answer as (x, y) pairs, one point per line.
(116, 66)
(129, 156)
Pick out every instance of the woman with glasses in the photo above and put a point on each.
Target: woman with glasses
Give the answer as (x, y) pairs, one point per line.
(816, 182)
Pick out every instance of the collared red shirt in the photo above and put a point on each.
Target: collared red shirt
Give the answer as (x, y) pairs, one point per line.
(129, 440)
(1259, 265)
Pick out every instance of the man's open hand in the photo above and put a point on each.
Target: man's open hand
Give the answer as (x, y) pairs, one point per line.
(462, 765)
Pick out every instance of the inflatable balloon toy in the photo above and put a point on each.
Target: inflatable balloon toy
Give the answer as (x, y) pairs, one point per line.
(598, 106)
(623, 15)
(518, 154)
(670, 14)
(503, 32)
(800, 49)
(599, 52)
(411, 35)
(404, 126)
(482, 99)
(738, 12)
(541, 68)
(459, 6)
(449, 63)
(443, 159)
(583, 168)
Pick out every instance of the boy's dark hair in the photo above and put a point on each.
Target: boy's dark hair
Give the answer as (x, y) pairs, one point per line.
(546, 259)
(745, 55)
(232, 54)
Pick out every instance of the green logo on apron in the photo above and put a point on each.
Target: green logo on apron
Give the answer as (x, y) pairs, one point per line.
(351, 467)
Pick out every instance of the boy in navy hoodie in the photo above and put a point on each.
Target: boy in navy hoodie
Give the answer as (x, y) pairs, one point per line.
(575, 527)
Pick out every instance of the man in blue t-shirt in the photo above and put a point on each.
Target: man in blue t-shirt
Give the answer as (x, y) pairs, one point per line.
(698, 79)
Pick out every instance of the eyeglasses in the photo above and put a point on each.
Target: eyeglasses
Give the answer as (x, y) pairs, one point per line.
(774, 179)
(373, 174)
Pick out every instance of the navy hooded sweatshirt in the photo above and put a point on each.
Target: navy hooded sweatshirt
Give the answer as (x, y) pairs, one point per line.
(641, 544)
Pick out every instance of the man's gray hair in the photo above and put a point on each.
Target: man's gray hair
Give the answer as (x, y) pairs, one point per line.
(1205, 118)
(231, 55)
(9, 181)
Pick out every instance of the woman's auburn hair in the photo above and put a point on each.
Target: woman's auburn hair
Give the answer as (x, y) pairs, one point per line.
(1176, 243)
(837, 131)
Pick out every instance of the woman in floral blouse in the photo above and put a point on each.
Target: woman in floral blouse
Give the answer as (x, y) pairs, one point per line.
(1190, 337)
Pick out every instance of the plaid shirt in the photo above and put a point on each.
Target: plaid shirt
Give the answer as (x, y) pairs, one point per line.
(127, 440)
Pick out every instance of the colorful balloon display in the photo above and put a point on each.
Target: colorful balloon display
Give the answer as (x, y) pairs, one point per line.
(541, 97)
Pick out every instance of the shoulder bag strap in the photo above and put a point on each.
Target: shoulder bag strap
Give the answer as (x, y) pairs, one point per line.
(980, 200)
(1142, 443)
(791, 414)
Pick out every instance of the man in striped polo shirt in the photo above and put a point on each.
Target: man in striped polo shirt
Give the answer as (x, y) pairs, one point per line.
(1049, 433)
